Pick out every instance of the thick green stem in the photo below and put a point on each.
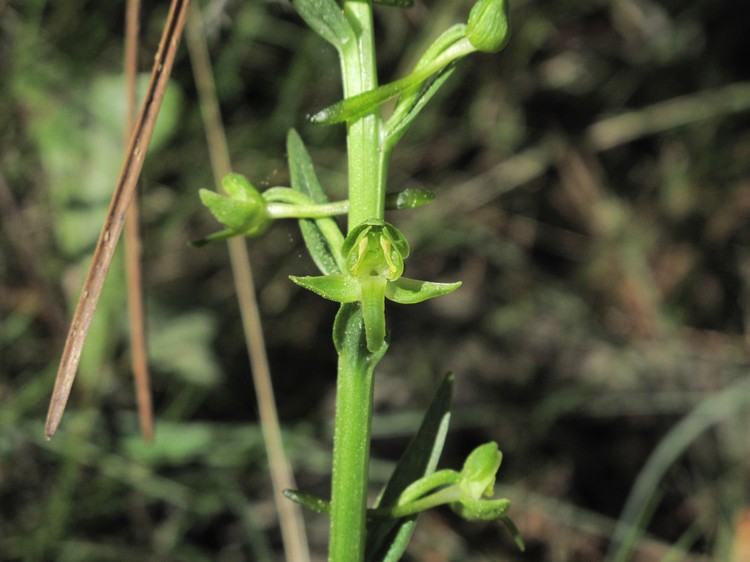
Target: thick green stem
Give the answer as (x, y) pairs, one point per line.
(351, 443)
(350, 465)
(367, 167)
(367, 170)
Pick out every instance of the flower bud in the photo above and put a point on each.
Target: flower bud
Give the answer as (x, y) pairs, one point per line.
(488, 29)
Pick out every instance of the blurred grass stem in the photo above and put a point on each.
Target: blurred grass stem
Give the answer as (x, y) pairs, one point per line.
(137, 322)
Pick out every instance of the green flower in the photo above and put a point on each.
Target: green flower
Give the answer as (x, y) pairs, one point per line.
(374, 254)
(243, 211)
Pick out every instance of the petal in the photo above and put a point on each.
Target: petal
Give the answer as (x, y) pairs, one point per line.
(373, 311)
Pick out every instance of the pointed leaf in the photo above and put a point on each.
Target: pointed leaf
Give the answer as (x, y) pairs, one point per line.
(387, 538)
(354, 107)
(314, 503)
(301, 169)
(399, 123)
(323, 237)
(412, 291)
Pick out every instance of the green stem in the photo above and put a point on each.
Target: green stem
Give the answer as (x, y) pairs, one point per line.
(351, 442)
(367, 164)
(350, 465)
(367, 170)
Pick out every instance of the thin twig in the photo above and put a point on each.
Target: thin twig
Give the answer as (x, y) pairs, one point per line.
(113, 222)
(290, 516)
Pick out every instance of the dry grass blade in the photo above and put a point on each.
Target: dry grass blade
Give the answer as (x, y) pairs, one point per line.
(114, 220)
(290, 516)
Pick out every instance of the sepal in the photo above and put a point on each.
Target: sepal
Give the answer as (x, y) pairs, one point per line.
(413, 291)
(337, 287)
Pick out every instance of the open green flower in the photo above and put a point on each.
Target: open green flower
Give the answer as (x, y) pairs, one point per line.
(374, 253)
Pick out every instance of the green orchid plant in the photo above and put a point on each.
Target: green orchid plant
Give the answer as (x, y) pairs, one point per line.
(363, 267)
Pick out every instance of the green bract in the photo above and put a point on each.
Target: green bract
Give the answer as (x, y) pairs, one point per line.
(374, 254)
(487, 28)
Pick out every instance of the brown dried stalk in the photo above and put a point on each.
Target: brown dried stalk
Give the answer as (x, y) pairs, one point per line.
(113, 222)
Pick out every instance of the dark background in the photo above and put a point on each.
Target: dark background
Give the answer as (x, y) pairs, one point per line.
(593, 194)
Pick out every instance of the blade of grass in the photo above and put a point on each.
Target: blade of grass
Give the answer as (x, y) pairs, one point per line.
(713, 410)
(290, 516)
(137, 323)
(113, 222)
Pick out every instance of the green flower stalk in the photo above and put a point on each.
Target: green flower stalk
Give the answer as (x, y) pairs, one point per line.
(364, 267)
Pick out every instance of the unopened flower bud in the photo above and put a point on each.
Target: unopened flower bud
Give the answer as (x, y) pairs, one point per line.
(488, 29)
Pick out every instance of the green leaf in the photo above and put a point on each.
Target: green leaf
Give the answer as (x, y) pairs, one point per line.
(398, 124)
(314, 503)
(449, 47)
(357, 106)
(327, 20)
(301, 169)
(323, 237)
(412, 291)
(339, 288)
(387, 539)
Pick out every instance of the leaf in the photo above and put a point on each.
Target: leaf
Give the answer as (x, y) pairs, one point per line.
(355, 107)
(446, 49)
(387, 538)
(301, 169)
(412, 291)
(313, 503)
(323, 237)
(400, 122)
(327, 20)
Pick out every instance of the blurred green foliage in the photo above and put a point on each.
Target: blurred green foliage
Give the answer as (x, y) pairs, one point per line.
(593, 193)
